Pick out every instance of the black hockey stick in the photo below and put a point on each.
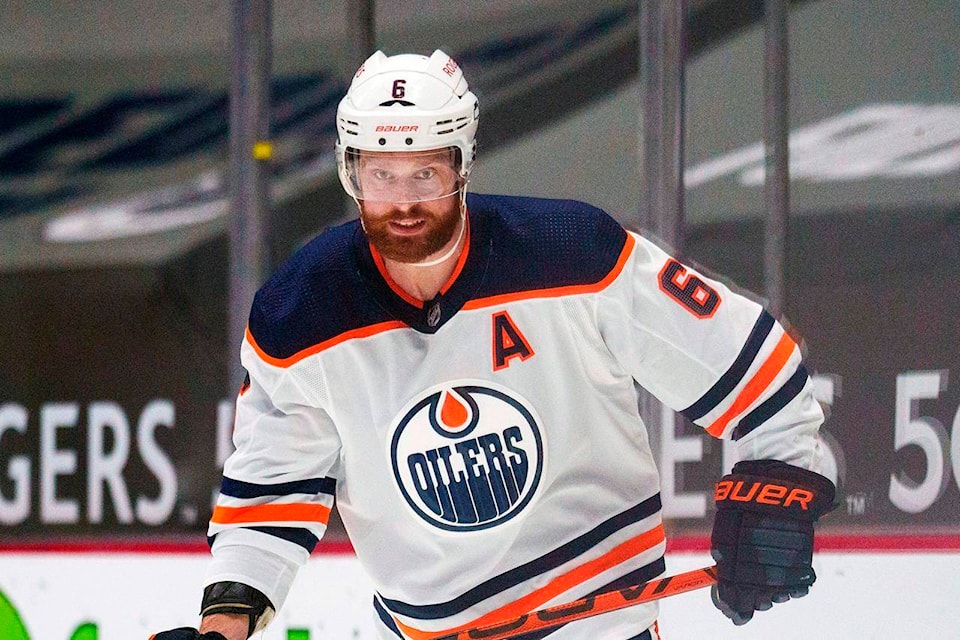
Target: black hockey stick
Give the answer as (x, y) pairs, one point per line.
(588, 606)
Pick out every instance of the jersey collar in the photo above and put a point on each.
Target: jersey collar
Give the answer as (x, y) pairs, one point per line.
(427, 316)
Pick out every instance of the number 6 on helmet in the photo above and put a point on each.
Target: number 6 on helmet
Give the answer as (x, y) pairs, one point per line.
(384, 111)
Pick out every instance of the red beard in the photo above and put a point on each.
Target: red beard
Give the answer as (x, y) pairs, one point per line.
(411, 244)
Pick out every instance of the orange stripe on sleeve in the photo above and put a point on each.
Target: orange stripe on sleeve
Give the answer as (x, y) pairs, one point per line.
(757, 385)
(271, 513)
(535, 599)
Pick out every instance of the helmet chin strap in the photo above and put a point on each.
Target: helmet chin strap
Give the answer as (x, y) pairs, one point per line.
(456, 245)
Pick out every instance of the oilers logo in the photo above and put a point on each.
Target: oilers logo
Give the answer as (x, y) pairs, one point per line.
(467, 455)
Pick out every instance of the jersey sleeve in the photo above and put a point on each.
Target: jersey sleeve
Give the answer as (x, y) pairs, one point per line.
(278, 485)
(711, 354)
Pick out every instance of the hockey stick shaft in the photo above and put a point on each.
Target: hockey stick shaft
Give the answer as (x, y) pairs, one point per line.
(589, 606)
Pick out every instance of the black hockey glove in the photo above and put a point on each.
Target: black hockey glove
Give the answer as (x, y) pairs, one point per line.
(187, 633)
(226, 597)
(763, 535)
(236, 597)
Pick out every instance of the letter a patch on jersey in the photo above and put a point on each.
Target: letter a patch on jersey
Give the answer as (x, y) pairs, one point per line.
(508, 341)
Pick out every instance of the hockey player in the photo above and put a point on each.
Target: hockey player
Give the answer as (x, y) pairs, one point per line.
(459, 372)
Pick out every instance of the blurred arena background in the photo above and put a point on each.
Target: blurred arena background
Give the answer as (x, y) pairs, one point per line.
(115, 385)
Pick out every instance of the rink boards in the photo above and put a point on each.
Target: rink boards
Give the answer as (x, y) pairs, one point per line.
(90, 595)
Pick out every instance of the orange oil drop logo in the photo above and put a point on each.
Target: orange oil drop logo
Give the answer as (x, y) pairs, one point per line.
(454, 413)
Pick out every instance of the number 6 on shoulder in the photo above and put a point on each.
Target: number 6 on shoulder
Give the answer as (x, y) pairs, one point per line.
(695, 295)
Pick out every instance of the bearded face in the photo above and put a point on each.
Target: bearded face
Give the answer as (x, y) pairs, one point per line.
(412, 232)
(409, 203)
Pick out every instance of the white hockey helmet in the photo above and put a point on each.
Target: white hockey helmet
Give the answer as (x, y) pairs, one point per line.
(406, 102)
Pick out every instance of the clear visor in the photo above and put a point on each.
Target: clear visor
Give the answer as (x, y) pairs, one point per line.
(402, 176)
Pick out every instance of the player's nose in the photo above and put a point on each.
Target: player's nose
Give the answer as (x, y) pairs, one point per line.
(405, 206)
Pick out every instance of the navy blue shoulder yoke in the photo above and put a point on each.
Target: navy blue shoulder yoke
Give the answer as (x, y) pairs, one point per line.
(332, 285)
(541, 243)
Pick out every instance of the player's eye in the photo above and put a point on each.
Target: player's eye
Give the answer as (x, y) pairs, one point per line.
(381, 174)
(425, 174)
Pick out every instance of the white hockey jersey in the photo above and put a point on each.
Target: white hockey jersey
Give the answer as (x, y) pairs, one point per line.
(485, 447)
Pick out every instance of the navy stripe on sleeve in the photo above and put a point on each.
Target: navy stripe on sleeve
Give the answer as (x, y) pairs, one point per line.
(551, 560)
(297, 535)
(790, 390)
(729, 380)
(240, 489)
